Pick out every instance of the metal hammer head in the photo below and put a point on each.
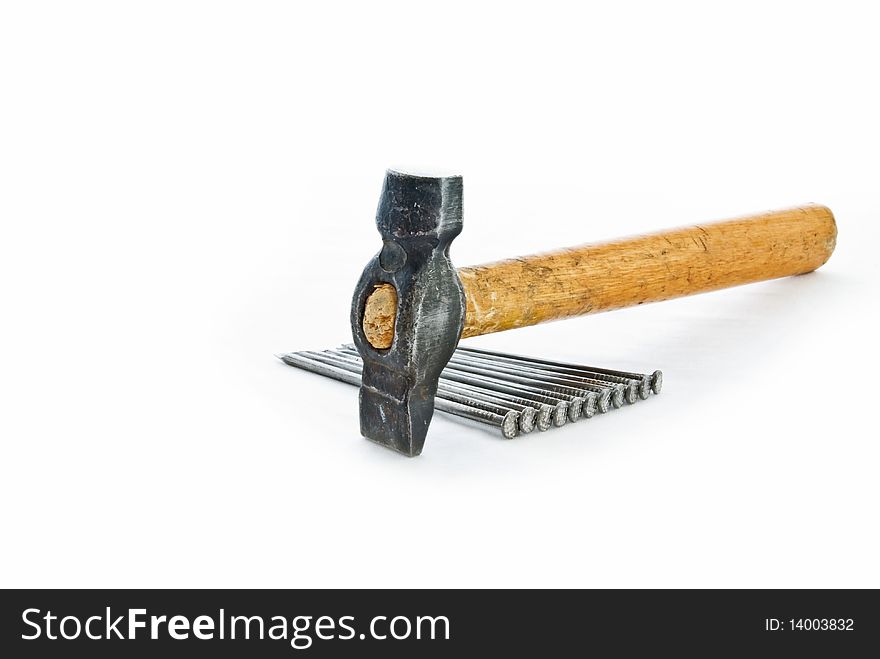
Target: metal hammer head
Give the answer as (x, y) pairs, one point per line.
(418, 217)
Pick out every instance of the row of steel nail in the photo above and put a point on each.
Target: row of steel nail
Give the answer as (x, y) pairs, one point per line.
(514, 393)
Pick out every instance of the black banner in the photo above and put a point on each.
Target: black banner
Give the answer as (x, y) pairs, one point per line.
(318, 623)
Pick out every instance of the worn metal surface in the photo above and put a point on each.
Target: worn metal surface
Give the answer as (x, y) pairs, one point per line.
(418, 217)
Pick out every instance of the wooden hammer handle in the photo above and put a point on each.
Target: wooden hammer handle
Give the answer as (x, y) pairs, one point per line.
(600, 277)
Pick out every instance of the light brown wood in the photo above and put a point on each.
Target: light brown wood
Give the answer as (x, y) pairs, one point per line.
(592, 278)
(600, 277)
(379, 314)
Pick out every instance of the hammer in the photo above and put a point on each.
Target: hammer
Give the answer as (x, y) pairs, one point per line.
(411, 306)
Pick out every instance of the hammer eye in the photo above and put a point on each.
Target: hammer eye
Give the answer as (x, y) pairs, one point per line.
(392, 257)
(380, 312)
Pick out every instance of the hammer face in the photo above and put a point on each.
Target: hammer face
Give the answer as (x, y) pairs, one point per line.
(397, 424)
(418, 218)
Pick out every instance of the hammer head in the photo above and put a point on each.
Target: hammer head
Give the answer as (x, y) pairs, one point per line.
(417, 217)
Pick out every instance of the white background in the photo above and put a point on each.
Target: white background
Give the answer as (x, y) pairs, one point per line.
(188, 188)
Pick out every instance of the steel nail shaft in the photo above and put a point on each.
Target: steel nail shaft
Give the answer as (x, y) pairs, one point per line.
(648, 380)
(507, 422)
(565, 405)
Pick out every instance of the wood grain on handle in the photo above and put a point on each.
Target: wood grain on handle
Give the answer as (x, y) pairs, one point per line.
(599, 277)
(592, 278)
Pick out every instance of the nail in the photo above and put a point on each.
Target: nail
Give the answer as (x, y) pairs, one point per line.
(549, 383)
(565, 405)
(315, 363)
(618, 391)
(644, 381)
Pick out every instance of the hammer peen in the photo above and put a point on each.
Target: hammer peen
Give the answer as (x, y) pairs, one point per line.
(411, 306)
